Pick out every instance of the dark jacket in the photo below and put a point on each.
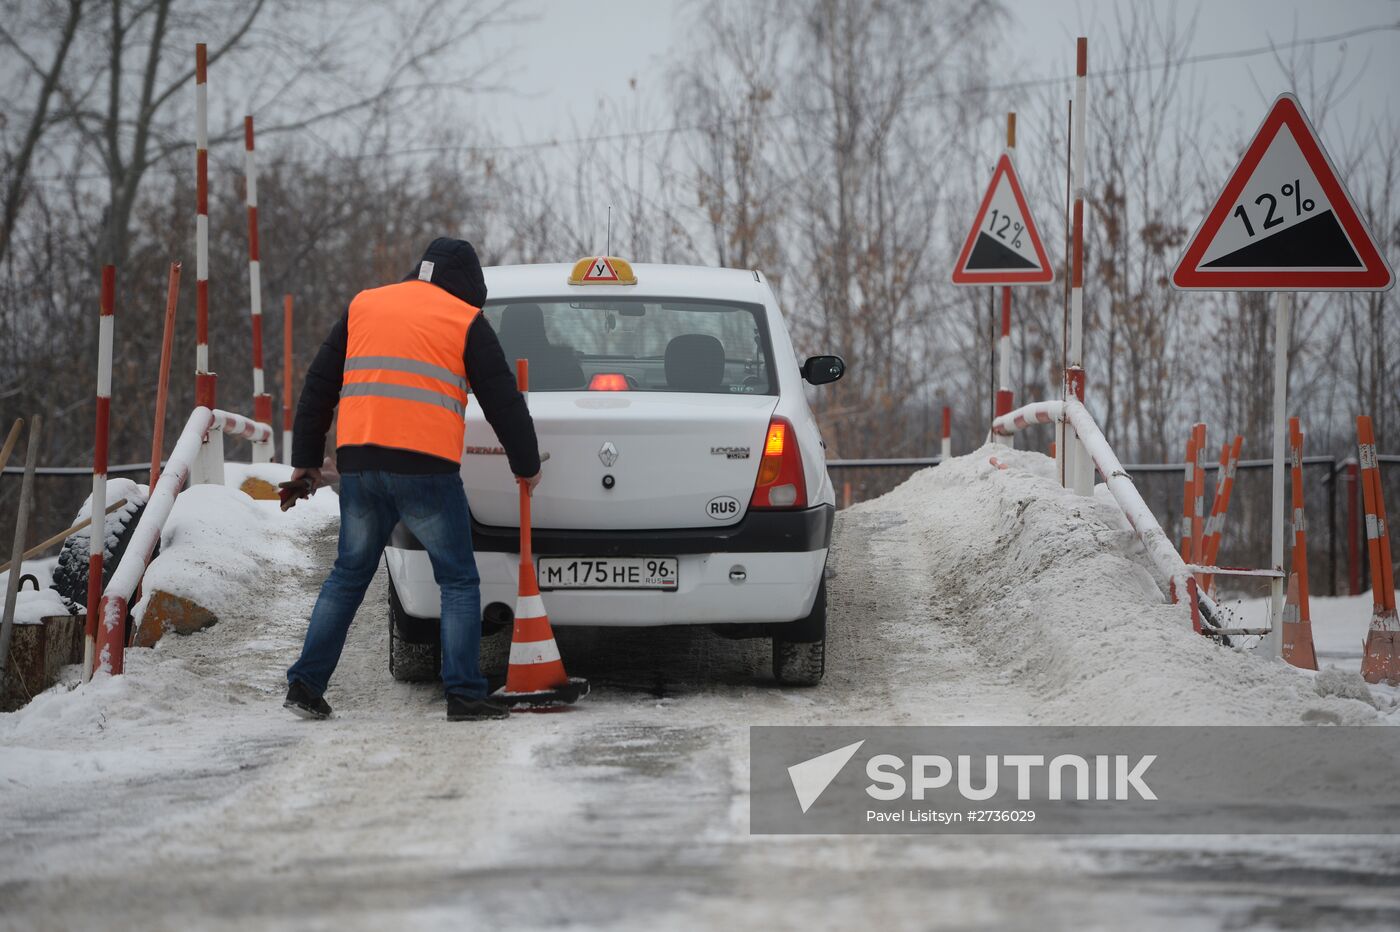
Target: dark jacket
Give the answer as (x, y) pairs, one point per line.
(457, 271)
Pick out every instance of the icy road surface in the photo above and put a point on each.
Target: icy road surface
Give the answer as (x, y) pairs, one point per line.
(183, 796)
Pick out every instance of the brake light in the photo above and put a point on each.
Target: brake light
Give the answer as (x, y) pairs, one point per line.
(781, 483)
(608, 382)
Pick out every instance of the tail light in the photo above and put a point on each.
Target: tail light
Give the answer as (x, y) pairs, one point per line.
(781, 483)
(608, 382)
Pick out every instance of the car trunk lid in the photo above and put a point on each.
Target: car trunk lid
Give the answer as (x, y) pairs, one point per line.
(677, 460)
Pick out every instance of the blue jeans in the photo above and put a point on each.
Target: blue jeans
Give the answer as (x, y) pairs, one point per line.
(434, 508)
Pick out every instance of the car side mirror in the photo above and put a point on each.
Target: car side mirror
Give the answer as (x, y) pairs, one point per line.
(819, 370)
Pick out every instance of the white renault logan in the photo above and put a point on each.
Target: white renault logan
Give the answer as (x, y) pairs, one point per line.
(686, 481)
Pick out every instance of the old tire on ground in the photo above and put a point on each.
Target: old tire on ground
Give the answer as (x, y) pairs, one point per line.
(799, 653)
(70, 575)
(411, 661)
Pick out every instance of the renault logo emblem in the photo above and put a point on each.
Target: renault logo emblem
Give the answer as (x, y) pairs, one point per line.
(608, 454)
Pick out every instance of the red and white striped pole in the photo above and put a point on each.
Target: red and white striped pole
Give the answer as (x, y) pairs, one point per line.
(1005, 397)
(97, 533)
(946, 448)
(287, 379)
(262, 401)
(205, 382)
(1079, 468)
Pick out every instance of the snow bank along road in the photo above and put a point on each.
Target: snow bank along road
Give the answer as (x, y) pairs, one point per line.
(182, 795)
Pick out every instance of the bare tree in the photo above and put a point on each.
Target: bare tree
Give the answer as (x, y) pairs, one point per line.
(35, 120)
(118, 73)
(731, 95)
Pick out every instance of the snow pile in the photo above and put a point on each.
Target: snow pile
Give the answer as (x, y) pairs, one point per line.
(219, 545)
(30, 606)
(1054, 591)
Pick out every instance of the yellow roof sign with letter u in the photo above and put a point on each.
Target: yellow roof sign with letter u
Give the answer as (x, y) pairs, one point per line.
(602, 270)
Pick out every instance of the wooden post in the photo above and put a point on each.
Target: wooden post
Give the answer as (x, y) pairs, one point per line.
(26, 495)
(10, 441)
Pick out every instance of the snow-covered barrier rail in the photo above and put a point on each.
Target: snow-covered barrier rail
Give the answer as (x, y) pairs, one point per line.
(198, 456)
(1181, 583)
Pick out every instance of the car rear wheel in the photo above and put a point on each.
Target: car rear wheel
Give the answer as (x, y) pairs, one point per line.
(410, 662)
(420, 660)
(495, 655)
(799, 653)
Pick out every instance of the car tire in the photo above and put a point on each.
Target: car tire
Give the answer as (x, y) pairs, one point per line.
(409, 662)
(495, 655)
(799, 653)
(70, 575)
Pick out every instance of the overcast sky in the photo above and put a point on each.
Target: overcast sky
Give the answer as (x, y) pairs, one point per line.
(568, 54)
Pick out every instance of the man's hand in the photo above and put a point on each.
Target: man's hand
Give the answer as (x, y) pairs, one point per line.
(317, 480)
(530, 483)
(303, 484)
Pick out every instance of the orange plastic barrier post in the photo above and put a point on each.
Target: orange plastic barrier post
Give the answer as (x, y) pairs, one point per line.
(1297, 620)
(1379, 662)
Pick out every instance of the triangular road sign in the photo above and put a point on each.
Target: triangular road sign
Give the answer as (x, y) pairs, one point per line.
(1284, 222)
(601, 271)
(1004, 247)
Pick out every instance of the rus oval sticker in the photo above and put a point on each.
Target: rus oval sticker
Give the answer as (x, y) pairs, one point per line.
(723, 506)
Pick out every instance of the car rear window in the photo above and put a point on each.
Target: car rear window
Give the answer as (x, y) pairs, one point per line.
(637, 344)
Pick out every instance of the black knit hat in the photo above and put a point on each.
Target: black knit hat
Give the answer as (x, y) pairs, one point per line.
(452, 265)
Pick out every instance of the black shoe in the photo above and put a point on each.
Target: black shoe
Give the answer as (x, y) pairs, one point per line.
(462, 709)
(300, 701)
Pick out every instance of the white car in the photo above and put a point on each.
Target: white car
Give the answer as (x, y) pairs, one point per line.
(686, 479)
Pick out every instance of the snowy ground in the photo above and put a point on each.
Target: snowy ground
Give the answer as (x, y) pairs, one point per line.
(182, 795)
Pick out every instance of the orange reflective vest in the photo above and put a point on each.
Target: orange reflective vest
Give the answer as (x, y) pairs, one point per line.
(405, 382)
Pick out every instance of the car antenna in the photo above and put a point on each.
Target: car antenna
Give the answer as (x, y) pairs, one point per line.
(608, 251)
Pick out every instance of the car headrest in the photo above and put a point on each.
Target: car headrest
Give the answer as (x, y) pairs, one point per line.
(694, 363)
(523, 323)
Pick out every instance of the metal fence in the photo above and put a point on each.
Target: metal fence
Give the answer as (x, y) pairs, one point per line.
(1336, 530)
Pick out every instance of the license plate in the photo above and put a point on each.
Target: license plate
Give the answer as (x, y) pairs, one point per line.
(608, 573)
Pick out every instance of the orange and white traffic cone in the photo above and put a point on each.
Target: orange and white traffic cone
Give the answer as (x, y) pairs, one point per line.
(1297, 630)
(1380, 661)
(1297, 617)
(536, 677)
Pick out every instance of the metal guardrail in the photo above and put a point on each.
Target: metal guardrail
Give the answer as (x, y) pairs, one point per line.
(845, 463)
(85, 470)
(877, 463)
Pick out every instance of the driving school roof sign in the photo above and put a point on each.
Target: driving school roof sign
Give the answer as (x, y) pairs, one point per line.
(1004, 246)
(602, 270)
(1284, 221)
